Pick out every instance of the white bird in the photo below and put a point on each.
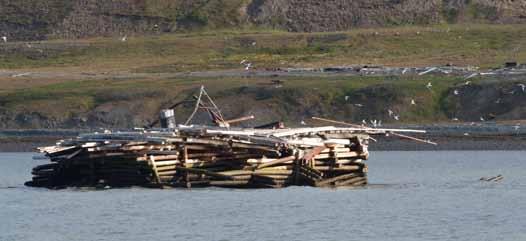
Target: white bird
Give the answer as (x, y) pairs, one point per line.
(303, 123)
(253, 43)
(455, 92)
(380, 123)
(455, 119)
(347, 97)
(467, 83)
(466, 134)
(396, 117)
(523, 87)
(358, 105)
(429, 85)
(364, 122)
(243, 61)
(481, 118)
(390, 112)
(405, 70)
(413, 102)
(373, 122)
(498, 101)
(248, 66)
(124, 38)
(516, 128)
(4, 38)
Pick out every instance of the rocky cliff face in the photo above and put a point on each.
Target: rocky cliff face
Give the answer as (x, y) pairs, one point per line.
(39, 19)
(333, 15)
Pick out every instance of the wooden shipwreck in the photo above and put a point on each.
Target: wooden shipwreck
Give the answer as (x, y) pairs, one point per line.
(203, 156)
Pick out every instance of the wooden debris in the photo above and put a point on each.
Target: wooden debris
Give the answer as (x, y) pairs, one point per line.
(207, 156)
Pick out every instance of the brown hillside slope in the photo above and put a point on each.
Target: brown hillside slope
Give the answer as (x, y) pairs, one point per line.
(40, 19)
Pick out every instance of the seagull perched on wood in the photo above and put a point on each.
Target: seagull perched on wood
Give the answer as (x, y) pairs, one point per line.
(4, 38)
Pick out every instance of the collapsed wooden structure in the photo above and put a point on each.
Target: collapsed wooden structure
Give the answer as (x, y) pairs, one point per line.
(202, 156)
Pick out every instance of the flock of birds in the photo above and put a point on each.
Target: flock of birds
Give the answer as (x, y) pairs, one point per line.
(429, 86)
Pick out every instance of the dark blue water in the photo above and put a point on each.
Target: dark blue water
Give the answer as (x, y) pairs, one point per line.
(415, 196)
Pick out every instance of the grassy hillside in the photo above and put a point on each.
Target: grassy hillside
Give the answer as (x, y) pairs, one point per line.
(479, 45)
(78, 87)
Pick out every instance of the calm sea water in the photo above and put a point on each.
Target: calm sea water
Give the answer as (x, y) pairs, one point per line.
(414, 196)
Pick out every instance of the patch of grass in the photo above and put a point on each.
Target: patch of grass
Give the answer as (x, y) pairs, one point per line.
(480, 45)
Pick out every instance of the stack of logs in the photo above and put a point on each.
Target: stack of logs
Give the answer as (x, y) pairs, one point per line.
(202, 157)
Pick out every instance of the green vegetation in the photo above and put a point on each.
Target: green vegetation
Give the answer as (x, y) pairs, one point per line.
(298, 98)
(137, 99)
(478, 45)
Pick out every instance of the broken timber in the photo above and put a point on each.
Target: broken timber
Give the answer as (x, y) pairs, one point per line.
(210, 156)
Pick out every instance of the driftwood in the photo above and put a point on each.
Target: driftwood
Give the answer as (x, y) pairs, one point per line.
(206, 156)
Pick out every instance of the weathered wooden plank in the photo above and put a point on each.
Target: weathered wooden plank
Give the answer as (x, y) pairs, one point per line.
(206, 172)
(329, 181)
(276, 162)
